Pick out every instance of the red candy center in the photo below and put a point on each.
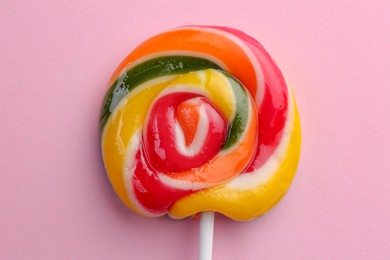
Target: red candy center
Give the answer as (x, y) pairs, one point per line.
(183, 131)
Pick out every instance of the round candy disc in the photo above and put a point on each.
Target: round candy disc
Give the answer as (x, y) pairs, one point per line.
(200, 118)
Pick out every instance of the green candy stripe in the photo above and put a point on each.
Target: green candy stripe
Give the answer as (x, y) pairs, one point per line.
(174, 65)
(242, 112)
(148, 70)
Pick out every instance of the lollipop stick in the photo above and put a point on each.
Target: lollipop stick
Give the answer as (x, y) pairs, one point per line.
(206, 235)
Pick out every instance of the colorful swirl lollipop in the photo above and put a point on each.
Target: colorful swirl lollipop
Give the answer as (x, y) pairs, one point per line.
(200, 119)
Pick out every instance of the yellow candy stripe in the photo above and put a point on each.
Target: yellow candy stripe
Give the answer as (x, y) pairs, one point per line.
(127, 118)
(213, 84)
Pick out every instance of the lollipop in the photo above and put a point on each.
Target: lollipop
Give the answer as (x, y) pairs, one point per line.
(197, 119)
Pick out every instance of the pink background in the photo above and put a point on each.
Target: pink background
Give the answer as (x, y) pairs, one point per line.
(55, 60)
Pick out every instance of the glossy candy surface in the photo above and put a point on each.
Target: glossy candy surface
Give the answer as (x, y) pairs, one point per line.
(200, 118)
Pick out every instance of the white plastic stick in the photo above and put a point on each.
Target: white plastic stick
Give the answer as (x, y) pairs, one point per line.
(206, 235)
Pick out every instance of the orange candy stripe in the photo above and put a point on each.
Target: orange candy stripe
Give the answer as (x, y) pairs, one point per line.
(188, 116)
(205, 42)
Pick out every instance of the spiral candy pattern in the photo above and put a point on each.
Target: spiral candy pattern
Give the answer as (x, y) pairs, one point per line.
(200, 118)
